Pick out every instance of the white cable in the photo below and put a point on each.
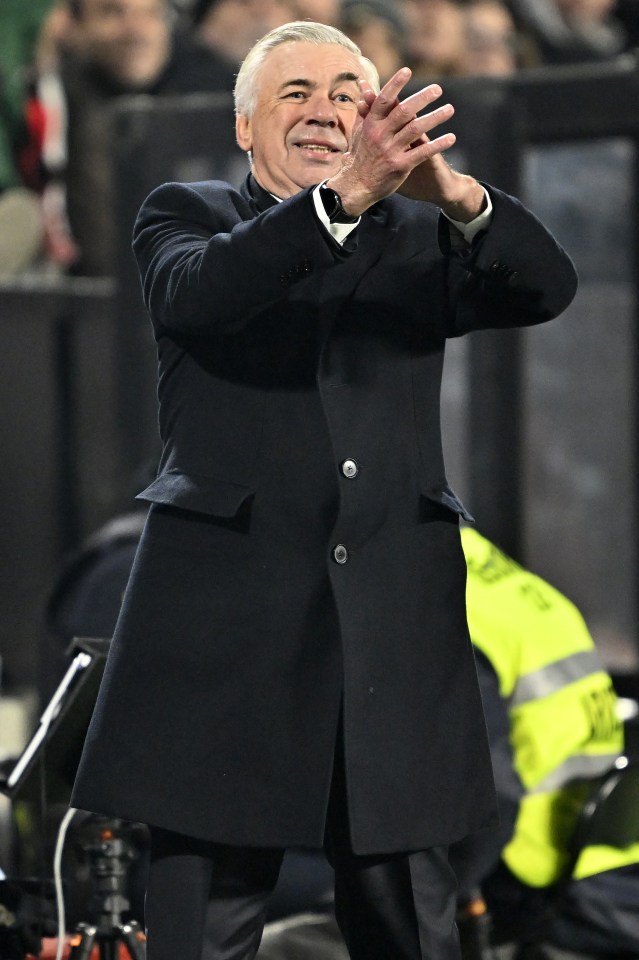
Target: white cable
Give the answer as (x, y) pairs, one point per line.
(57, 877)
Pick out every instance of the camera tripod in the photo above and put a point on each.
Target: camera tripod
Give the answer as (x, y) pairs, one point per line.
(109, 857)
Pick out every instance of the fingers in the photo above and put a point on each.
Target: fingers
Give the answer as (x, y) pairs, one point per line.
(400, 117)
(388, 96)
(422, 98)
(366, 90)
(415, 129)
(387, 101)
(368, 96)
(431, 148)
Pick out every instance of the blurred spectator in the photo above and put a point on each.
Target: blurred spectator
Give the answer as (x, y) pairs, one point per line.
(19, 28)
(435, 37)
(378, 28)
(109, 48)
(491, 44)
(20, 226)
(572, 31)
(231, 27)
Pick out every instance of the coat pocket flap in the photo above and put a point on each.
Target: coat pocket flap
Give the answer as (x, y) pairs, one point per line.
(218, 498)
(446, 497)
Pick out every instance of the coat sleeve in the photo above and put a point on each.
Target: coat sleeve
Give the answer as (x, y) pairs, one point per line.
(514, 274)
(208, 266)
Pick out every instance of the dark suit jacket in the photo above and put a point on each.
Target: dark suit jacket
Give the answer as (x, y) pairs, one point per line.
(241, 638)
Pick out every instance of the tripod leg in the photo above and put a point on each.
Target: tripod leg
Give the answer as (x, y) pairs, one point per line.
(109, 948)
(132, 935)
(82, 942)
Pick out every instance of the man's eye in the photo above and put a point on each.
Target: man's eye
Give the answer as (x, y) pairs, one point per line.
(344, 98)
(296, 94)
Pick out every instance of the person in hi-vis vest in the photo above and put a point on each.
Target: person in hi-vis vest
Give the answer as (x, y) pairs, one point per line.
(552, 718)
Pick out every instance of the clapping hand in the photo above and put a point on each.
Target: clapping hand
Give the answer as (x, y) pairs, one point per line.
(391, 151)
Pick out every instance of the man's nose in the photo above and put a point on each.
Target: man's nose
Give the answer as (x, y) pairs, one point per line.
(322, 111)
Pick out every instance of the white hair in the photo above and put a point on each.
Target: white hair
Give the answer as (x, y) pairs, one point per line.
(300, 31)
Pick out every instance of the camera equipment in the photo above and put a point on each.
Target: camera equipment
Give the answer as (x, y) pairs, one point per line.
(54, 749)
(50, 761)
(108, 845)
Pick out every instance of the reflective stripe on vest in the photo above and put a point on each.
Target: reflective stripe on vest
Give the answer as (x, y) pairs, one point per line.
(578, 767)
(547, 680)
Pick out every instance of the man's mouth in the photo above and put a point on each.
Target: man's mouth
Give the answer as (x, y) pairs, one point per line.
(324, 148)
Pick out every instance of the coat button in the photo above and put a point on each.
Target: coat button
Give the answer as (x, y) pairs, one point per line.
(340, 553)
(350, 469)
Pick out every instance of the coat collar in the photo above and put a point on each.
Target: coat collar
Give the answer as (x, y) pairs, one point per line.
(260, 200)
(256, 196)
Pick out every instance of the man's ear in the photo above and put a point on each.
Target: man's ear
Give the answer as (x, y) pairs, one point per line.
(243, 133)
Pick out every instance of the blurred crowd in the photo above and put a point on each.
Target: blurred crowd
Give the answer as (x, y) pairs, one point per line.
(62, 62)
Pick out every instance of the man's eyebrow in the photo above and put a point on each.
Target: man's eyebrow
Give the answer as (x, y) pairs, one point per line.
(299, 82)
(345, 76)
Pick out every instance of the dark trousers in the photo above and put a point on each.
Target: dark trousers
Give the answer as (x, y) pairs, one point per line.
(399, 907)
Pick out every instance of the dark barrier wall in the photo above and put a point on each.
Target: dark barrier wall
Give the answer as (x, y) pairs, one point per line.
(579, 411)
(540, 426)
(59, 438)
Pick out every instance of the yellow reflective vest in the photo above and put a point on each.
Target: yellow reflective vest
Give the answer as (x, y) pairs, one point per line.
(563, 719)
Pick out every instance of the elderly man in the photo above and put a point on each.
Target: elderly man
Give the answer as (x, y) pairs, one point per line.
(280, 652)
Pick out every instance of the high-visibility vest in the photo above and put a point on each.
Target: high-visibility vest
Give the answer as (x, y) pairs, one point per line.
(564, 726)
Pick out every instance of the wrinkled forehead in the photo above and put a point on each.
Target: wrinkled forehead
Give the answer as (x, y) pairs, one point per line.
(317, 63)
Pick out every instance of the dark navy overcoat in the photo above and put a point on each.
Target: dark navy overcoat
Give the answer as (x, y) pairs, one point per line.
(302, 559)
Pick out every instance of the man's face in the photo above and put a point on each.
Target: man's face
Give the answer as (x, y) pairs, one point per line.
(304, 115)
(129, 40)
(490, 41)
